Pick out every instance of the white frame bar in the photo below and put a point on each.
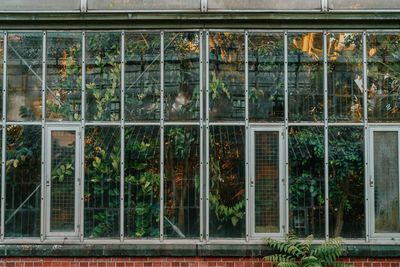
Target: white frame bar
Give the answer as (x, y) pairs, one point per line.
(201, 47)
(162, 136)
(122, 142)
(286, 127)
(326, 135)
(247, 137)
(207, 152)
(83, 122)
(3, 140)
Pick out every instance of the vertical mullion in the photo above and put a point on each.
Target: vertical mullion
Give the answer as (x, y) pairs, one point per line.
(326, 144)
(3, 134)
(366, 137)
(162, 137)
(207, 146)
(43, 170)
(82, 139)
(286, 114)
(201, 138)
(247, 136)
(122, 160)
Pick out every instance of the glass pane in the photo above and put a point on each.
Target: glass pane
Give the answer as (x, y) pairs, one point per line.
(1, 74)
(102, 175)
(142, 182)
(345, 77)
(227, 181)
(386, 178)
(23, 179)
(24, 76)
(182, 76)
(39, 5)
(306, 181)
(145, 5)
(64, 76)
(142, 76)
(103, 76)
(346, 182)
(266, 79)
(62, 198)
(182, 182)
(306, 77)
(383, 80)
(227, 81)
(263, 5)
(266, 175)
(363, 4)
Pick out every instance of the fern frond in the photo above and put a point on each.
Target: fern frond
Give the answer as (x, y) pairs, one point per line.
(329, 251)
(278, 258)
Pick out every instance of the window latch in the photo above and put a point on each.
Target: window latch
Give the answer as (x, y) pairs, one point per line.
(371, 182)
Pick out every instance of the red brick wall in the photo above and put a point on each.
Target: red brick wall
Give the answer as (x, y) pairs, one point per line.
(171, 262)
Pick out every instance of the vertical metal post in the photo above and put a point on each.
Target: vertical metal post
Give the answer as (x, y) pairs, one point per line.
(207, 147)
(3, 140)
(286, 114)
(247, 135)
(43, 169)
(162, 138)
(201, 138)
(326, 144)
(82, 140)
(122, 160)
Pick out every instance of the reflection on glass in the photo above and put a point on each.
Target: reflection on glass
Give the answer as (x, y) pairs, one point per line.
(266, 80)
(383, 77)
(102, 175)
(182, 177)
(346, 182)
(305, 77)
(227, 76)
(263, 5)
(103, 76)
(266, 176)
(386, 180)
(62, 198)
(63, 76)
(144, 5)
(142, 182)
(23, 178)
(24, 76)
(181, 76)
(227, 181)
(142, 76)
(39, 5)
(306, 181)
(345, 77)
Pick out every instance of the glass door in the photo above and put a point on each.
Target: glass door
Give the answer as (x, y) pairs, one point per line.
(62, 181)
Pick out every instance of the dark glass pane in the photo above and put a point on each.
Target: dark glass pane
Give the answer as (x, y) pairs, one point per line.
(227, 181)
(306, 181)
(182, 76)
(142, 181)
(64, 76)
(345, 77)
(346, 182)
(24, 76)
(305, 77)
(182, 182)
(102, 176)
(23, 180)
(103, 76)
(227, 76)
(142, 76)
(266, 79)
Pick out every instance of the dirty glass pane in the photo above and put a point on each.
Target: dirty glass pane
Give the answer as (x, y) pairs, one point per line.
(182, 182)
(227, 181)
(63, 167)
(346, 182)
(23, 179)
(306, 181)
(227, 76)
(102, 176)
(266, 181)
(266, 79)
(103, 76)
(24, 76)
(39, 5)
(345, 77)
(383, 77)
(64, 76)
(182, 76)
(142, 76)
(363, 4)
(263, 5)
(386, 178)
(142, 181)
(144, 4)
(305, 74)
